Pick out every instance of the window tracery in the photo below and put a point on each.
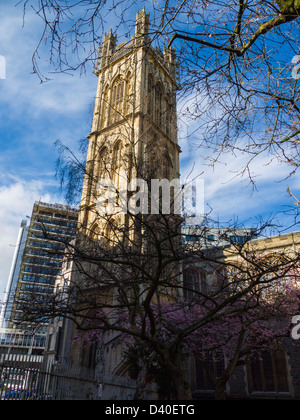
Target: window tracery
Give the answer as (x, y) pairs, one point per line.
(117, 100)
(195, 282)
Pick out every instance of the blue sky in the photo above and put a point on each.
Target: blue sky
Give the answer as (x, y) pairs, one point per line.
(34, 115)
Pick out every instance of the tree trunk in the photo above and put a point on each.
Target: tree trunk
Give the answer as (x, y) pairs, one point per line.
(141, 381)
(220, 392)
(182, 387)
(176, 371)
(224, 378)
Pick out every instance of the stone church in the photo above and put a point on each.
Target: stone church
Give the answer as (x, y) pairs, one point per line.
(134, 136)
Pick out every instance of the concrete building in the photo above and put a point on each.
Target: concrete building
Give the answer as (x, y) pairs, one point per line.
(37, 261)
(212, 237)
(14, 275)
(19, 345)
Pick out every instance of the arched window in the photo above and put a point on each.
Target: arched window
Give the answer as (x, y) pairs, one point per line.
(128, 94)
(89, 345)
(117, 164)
(103, 169)
(275, 275)
(153, 156)
(117, 100)
(150, 97)
(267, 371)
(211, 364)
(158, 104)
(222, 278)
(105, 108)
(112, 233)
(167, 165)
(95, 232)
(194, 282)
(231, 277)
(168, 115)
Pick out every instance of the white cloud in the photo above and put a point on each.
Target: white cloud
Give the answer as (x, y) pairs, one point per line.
(22, 89)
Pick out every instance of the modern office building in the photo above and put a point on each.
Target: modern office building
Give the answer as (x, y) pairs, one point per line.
(14, 274)
(38, 260)
(194, 237)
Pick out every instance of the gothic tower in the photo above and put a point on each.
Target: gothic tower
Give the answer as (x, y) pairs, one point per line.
(134, 129)
(133, 136)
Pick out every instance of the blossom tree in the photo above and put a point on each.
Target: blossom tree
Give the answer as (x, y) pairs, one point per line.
(141, 303)
(205, 328)
(241, 329)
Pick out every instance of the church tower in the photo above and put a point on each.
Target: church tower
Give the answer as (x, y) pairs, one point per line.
(133, 137)
(134, 129)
